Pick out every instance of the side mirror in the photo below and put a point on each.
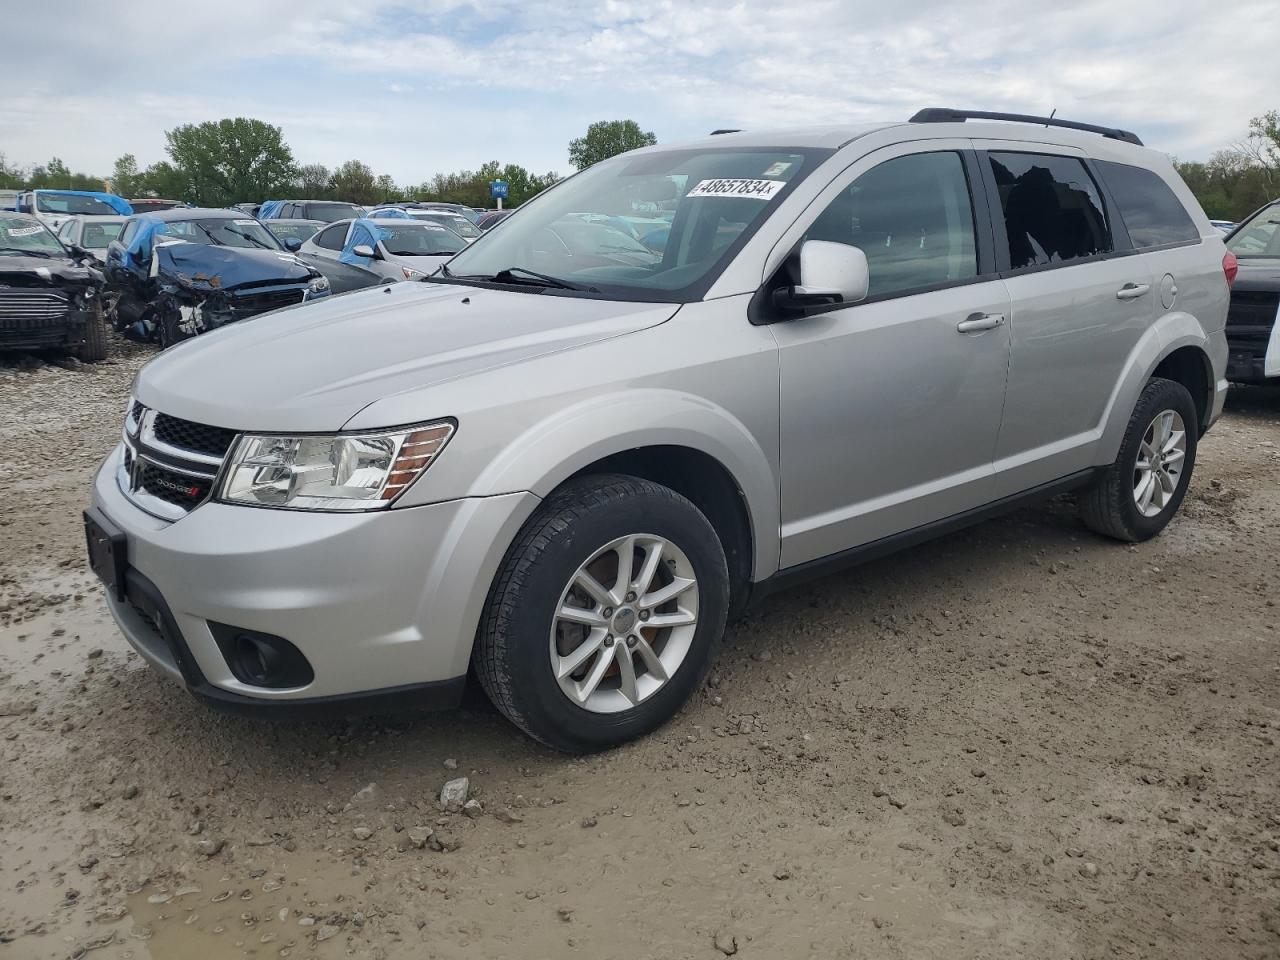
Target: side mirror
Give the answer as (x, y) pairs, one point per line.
(292, 244)
(78, 252)
(364, 250)
(830, 273)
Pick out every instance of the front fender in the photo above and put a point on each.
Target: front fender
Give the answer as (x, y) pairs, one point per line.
(554, 449)
(1171, 332)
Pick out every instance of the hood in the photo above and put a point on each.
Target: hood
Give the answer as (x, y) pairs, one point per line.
(19, 271)
(313, 367)
(201, 266)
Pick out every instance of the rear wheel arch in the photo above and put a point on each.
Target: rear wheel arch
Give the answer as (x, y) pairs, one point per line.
(1191, 367)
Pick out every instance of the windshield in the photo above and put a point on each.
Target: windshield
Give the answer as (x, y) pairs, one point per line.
(292, 231)
(20, 236)
(654, 226)
(60, 203)
(329, 212)
(97, 236)
(1259, 237)
(457, 223)
(419, 240)
(223, 233)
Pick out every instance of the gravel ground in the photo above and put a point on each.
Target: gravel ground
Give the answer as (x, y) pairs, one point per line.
(1018, 741)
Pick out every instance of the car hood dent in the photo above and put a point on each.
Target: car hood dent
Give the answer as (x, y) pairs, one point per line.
(314, 367)
(204, 267)
(16, 270)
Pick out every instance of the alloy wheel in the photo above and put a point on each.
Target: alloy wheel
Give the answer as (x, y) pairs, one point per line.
(1161, 456)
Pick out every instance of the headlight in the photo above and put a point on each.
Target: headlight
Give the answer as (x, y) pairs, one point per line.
(319, 285)
(338, 472)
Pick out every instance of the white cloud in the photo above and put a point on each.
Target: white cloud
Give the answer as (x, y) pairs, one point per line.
(453, 83)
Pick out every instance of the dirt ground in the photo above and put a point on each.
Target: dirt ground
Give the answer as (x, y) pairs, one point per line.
(1019, 741)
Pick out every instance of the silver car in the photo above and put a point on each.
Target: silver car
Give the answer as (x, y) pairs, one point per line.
(562, 469)
(92, 233)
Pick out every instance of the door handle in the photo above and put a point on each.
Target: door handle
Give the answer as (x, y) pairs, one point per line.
(977, 322)
(1132, 291)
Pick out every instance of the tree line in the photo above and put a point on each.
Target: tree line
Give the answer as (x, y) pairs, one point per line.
(235, 160)
(222, 162)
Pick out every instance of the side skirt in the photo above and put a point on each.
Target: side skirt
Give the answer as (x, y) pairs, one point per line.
(823, 566)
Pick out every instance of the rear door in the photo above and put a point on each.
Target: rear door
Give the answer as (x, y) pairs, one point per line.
(1080, 297)
(328, 243)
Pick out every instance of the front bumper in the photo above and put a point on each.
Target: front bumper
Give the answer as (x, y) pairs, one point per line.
(384, 605)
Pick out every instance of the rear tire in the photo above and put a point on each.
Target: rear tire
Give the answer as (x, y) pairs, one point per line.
(94, 348)
(631, 682)
(1139, 494)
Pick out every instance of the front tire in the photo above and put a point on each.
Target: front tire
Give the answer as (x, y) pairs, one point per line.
(1140, 492)
(94, 348)
(605, 614)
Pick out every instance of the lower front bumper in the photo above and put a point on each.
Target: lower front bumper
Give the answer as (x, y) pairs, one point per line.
(383, 605)
(151, 629)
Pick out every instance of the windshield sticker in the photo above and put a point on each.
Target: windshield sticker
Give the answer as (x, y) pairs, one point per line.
(752, 189)
(777, 169)
(25, 231)
(244, 223)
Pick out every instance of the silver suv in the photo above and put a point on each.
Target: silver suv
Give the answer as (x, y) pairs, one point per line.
(675, 381)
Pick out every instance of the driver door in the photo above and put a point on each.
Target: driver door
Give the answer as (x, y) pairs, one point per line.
(890, 408)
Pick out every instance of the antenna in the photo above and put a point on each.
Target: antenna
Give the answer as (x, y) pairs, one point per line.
(1052, 114)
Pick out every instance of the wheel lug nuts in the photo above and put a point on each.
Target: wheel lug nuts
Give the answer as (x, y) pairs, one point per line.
(631, 641)
(608, 611)
(644, 614)
(608, 641)
(630, 597)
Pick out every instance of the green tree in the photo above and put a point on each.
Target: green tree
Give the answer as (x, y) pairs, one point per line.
(608, 138)
(126, 178)
(313, 181)
(56, 175)
(162, 179)
(11, 177)
(386, 187)
(226, 161)
(354, 182)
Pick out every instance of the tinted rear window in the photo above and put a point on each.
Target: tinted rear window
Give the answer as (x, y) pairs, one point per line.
(1152, 213)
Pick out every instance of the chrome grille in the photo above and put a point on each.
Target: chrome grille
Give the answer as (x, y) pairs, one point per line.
(170, 466)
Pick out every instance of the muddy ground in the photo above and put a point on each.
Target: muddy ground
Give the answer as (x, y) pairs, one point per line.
(1019, 741)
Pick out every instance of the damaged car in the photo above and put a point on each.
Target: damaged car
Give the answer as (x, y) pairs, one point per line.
(183, 272)
(50, 296)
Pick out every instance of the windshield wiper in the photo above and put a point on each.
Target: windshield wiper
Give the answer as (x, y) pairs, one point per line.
(250, 237)
(27, 253)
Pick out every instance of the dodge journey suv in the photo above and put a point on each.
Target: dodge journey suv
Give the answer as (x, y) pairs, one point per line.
(561, 463)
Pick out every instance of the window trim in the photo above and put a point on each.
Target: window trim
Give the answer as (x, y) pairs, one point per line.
(1003, 264)
(315, 237)
(761, 312)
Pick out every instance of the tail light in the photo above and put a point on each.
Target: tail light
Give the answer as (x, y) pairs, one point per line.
(1230, 267)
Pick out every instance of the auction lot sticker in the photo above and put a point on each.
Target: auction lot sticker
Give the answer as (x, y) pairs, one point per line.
(751, 189)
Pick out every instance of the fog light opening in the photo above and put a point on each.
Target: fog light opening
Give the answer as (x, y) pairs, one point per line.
(262, 660)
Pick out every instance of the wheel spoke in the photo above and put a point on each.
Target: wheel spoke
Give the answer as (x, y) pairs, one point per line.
(648, 569)
(598, 669)
(1164, 426)
(673, 589)
(593, 588)
(580, 654)
(1145, 490)
(626, 560)
(626, 672)
(1173, 459)
(1166, 486)
(589, 618)
(681, 618)
(1174, 442)
(651, 661)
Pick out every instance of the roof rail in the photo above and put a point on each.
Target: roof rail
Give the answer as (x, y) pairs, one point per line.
(716, 133)
(947, 115)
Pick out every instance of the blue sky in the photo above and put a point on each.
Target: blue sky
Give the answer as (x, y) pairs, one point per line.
(413, 89)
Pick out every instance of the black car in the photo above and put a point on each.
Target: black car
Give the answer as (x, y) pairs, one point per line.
(50, 295)
(182, 272)
(1253, 322)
